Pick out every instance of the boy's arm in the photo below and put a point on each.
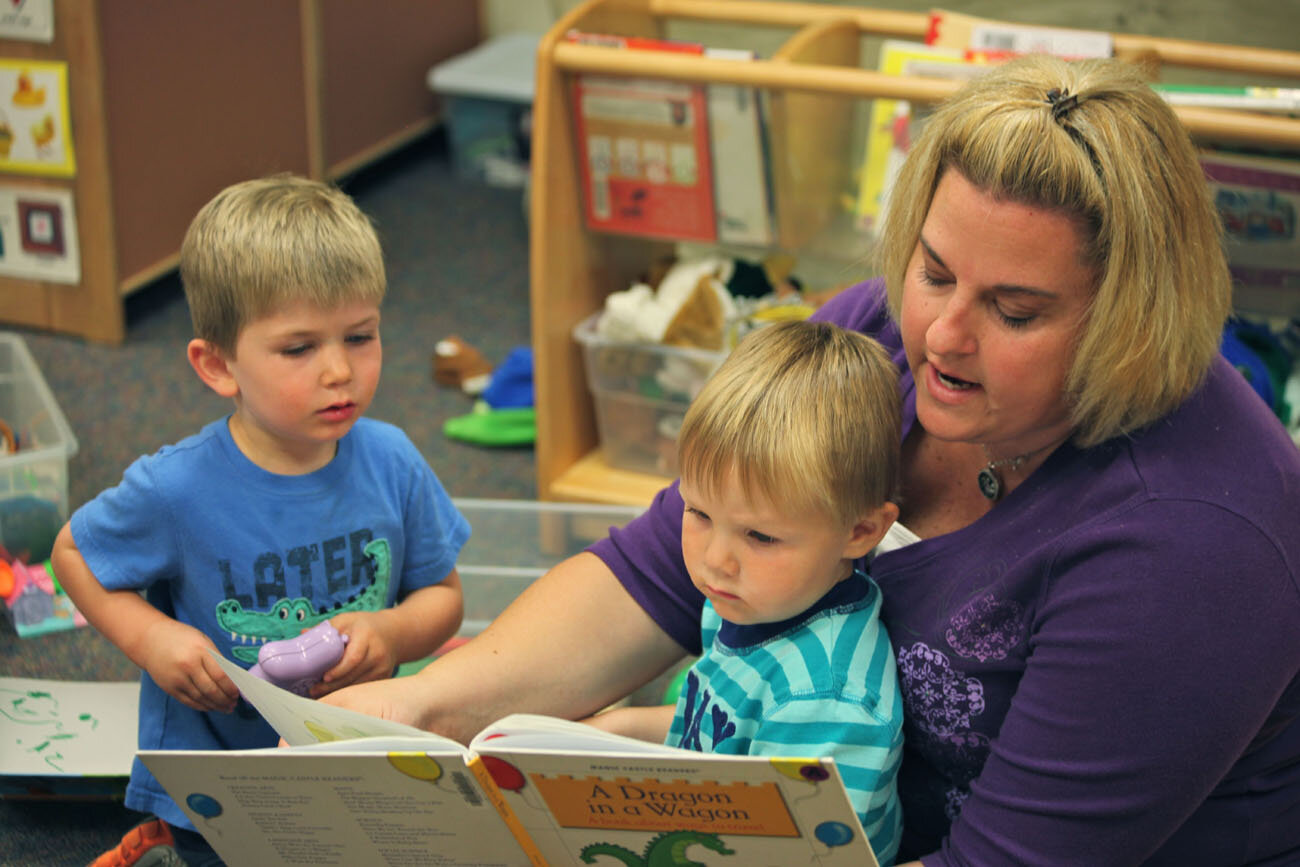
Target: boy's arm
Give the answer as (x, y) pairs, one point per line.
(379, 640)
(176, 655)
(643, 723)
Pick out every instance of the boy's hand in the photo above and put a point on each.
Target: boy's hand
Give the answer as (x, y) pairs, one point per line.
(368, 655)
(179, 659)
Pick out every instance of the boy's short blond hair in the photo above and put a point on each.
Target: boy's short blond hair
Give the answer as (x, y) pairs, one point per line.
(260, 244)
(807, 414)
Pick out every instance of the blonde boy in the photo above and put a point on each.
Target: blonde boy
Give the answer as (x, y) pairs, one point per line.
(292, 510)
(789, 465)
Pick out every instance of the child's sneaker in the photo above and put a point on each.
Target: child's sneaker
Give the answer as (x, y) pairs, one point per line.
(146, 845)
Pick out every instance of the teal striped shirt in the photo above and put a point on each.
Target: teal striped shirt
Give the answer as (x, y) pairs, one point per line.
(820, 684)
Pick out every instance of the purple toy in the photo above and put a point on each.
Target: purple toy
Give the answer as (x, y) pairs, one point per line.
(297, 663)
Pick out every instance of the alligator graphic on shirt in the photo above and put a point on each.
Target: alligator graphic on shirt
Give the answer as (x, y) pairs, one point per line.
(249, 630)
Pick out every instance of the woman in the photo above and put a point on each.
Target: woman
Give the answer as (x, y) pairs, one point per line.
(1096, 613)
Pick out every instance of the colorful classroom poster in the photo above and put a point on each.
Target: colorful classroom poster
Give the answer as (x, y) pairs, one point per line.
(38, 234)
(34, 130)
(30, 20)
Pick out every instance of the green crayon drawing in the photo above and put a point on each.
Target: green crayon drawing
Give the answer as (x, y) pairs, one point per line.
(43, 724)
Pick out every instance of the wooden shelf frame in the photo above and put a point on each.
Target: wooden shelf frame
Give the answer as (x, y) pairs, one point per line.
(572, 270)
(170, 102)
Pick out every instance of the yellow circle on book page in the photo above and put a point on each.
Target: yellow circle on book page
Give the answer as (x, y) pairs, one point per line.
(417, 765)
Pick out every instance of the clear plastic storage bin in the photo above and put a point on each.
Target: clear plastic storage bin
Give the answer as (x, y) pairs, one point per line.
(37, 444)
(513, 542)
(641, 391)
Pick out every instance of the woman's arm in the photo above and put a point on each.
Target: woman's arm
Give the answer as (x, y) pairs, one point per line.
(643, 723)
(573, 642)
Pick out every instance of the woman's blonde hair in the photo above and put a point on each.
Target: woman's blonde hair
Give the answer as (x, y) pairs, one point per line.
(806, 414)
(260, 244)
(1090, 139)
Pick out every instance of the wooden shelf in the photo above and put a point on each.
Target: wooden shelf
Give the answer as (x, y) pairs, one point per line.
(591, 480)
(171, 102)
(811, 84)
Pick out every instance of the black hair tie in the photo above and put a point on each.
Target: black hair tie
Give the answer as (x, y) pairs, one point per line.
(1062, 102)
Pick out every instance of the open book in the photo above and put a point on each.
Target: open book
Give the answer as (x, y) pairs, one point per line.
(354, 789)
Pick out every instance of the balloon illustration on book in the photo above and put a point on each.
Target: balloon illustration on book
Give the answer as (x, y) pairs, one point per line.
(805, 771)
(511, 779)
(504, 774)
(833, 834)
(206, 806)
(417, 765)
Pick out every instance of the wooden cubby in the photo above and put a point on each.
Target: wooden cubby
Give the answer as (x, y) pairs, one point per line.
(170, 102)
(811, 81)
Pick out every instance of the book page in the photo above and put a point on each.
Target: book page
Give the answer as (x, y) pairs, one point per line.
(331, 804)
(524, 731)
(306, 721)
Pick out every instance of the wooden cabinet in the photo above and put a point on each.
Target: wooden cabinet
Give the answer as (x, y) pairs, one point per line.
(813, 80)
(170, 102)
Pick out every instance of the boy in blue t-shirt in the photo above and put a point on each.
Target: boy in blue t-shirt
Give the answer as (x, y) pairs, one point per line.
(789, 462)
(291, 511)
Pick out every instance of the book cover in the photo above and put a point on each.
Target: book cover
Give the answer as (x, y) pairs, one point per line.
(643, 149)
(1258, 200)
(580, 794)
(1274, 100)
(528, 790)
(889, 128)
(955, 30)
(742, 189)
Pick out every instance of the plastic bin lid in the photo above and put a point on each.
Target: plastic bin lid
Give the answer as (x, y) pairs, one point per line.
(501, 68)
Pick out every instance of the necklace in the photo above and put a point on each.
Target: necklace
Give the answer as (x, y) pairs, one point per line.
(990, 481)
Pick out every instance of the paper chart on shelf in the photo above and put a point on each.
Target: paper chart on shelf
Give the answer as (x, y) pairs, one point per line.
(643, 149)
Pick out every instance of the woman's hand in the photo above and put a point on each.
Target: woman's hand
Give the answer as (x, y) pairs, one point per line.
(536, 657)
(388, 699)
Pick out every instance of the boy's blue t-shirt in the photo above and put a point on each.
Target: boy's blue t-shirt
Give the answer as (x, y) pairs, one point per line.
(248, 556)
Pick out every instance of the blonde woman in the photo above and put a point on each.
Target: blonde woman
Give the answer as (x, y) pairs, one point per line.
(1096, 615)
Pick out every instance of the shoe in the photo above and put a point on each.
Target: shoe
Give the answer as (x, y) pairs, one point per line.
(146, 845)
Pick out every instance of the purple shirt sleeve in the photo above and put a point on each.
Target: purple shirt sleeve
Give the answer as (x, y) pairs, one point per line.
(646, 557)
